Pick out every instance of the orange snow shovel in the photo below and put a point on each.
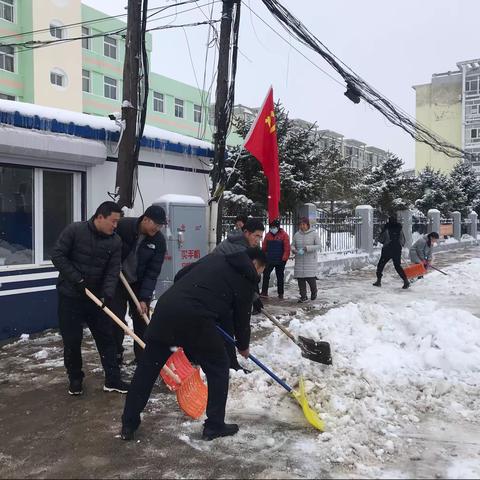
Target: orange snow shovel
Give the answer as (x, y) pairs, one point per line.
(415, 270)
(192, 393)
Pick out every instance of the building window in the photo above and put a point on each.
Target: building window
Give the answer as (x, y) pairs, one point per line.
(110, 88)
(7, 59)
(27, 238)
(4, 96)
(86, 42)
(158, 102)
(56, 30)
(16, 215)
(86, 86)
(110, 47)
(473, 133)
(197, 113)
(58, 78)
(178, 108)
(57, 207)
(6, 10)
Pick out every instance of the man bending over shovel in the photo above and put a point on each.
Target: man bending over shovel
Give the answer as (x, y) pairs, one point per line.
(186, 315)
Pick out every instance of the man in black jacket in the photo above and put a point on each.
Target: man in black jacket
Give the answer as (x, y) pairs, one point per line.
(186, 315)
(87, 255)
(143, 252)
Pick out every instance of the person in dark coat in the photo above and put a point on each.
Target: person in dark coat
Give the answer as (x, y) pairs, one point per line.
(186, 315)
(393, 240)
(277, 247)
(87, 255)
(143, 252)
(249, 237)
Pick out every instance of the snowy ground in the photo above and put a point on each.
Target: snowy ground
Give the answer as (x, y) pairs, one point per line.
(401, 400)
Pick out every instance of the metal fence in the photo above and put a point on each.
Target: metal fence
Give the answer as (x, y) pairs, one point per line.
(420, 224)
(465, 226)
(337, 233)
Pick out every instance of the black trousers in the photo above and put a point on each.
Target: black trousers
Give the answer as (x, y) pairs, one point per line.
(280, 272)
(302, 286)
(72, 314)
(119, 305)
(395, 254)
(215, 365)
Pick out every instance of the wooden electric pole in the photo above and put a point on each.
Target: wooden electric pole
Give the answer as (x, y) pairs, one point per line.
(131, 82)
(222, 114)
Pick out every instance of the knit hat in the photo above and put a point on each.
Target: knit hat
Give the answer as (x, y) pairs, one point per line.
(156, 214)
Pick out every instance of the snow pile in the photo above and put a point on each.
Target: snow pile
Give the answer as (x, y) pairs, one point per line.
(393, 363)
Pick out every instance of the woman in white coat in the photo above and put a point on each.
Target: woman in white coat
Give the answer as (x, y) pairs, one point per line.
(305, 245)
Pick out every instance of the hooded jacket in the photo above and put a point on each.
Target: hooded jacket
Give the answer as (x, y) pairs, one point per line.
(234, 243)
(82, 252)
(421, 250)
(150, 255)
(203, 295)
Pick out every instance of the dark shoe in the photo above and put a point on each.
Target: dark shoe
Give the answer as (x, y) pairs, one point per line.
(228, 429)
(406, 284)
(280, 296)
(75, 387)
(127, 433)
(264, 294)
(314, 296)
(378, 283)
(302, 300)
(116, 386)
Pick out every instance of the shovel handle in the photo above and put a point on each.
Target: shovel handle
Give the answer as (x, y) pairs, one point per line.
(257, 362)
(128, 288)
(279, 325)
(438, 270)
(128, 331)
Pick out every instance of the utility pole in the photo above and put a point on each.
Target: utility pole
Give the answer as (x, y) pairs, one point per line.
(222, 114)
(127, 161)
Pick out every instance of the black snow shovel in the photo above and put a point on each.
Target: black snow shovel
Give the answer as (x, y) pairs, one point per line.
(319, 352)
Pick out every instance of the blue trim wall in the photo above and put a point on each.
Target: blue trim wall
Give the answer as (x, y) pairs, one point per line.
(101, 134)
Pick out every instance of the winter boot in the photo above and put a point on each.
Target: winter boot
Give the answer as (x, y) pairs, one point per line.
(302, 300)
(226, 430)
(75, 387)
(280, 296)
(116, 386)
(378, 283)
(406, 284)
(313, 296)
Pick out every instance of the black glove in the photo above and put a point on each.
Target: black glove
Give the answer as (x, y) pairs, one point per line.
(106, 301)
(257, 305)
(81, 286)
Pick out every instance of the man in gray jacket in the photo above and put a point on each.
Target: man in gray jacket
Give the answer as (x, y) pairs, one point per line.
(421, 250)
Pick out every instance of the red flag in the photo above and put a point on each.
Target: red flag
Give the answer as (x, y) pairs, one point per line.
(261, 142)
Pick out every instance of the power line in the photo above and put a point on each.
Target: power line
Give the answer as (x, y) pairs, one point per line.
(96, 20)
(357, 88)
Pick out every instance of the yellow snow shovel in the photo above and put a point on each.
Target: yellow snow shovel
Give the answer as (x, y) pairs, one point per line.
(299, 395)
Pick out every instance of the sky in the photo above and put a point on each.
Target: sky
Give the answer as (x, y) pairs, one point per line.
(391, 45)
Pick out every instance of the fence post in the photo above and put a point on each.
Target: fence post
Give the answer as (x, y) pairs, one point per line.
(433, 220)
(308, 210)
(457, 225)
(405, 218)
(365, 212)
(473, 225)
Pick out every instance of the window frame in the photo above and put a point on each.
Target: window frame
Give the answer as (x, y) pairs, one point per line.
(157, 100)
(8, 55)
(89, 79)
(4, 96)
(3, 6)
(105, 77)
(110, 46)
(58, 74)
(57, 27)
(182, 107)
(86, 41)
(37, 214)
(197, 110)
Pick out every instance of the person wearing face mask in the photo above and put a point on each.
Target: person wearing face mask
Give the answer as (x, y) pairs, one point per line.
(305, 245)
(277, 248)
(421, 250)
(143, 252)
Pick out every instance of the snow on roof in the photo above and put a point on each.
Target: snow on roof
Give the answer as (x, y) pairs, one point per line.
(98, 123)
(179, 199)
